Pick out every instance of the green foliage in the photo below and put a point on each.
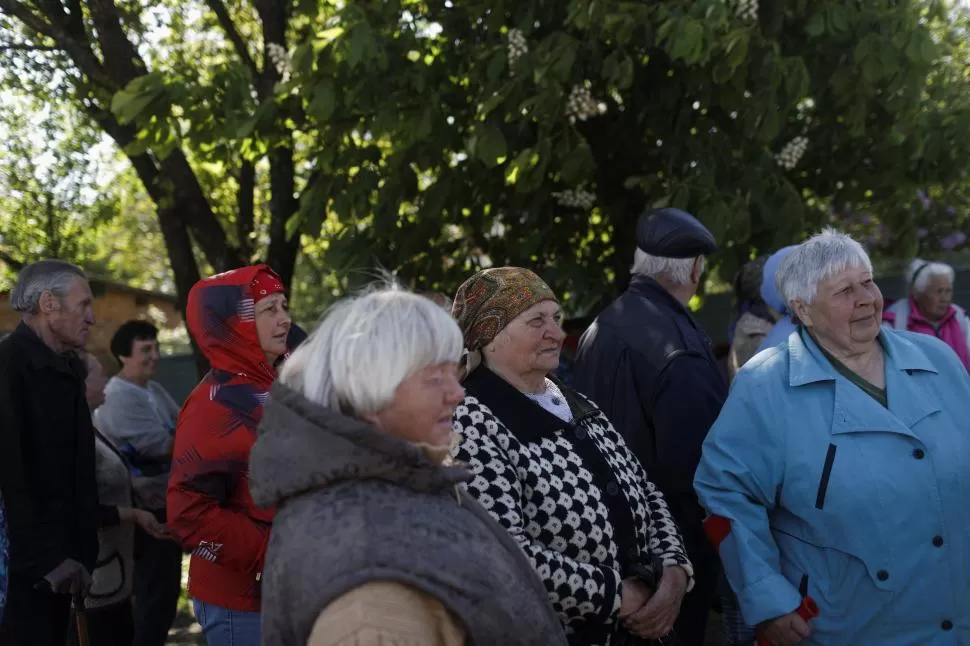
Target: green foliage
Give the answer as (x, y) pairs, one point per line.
(440, 149)
(436, 137)
(64, 194)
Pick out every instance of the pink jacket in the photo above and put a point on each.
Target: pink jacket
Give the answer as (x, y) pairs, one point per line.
(953, 329)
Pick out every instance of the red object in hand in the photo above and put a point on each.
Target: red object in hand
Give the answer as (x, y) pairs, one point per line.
(807, 610)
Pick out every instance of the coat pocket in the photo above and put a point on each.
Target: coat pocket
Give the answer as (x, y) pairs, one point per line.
(839, 582)
(823, 483)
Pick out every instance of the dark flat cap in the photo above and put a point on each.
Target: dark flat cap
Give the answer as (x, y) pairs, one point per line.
(672, 233)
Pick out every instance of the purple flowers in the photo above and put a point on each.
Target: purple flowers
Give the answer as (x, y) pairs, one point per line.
(954, 240)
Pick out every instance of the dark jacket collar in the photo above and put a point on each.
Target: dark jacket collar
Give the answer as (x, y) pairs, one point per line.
(527, 420)
(41, 355)
(646, 287)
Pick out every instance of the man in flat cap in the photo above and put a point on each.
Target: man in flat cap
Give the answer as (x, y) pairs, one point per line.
(648, 364)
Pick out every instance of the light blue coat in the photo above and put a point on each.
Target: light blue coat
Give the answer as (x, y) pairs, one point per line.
(867, 509)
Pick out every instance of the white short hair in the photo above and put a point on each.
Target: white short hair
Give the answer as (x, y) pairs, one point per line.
(54, 276)
(816, 260)
(676, 270)
(366, 345)
(920, 272)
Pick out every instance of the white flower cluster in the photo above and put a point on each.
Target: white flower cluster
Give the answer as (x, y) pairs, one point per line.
(281, 60)
(792, 153)
(517, 46)
(575, 199)
(581, 105)
(747, 9)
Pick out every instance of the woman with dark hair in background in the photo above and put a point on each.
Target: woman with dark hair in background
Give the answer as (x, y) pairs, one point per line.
(108, 601)
(755, 318)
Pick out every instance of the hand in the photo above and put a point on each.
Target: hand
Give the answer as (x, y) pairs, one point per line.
(633, 596)
(785, 630)
(147, 521)
(70, 577)
(656, 619)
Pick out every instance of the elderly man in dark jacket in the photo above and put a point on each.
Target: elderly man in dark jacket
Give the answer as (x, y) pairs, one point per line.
(47, 459)
(646, 362)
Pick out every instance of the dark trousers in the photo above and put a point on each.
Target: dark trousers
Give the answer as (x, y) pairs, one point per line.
(35, 617)
(695, 611)
(111, 625)
(156, 587)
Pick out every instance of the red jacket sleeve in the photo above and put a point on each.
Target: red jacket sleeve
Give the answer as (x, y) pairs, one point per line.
(209, 508)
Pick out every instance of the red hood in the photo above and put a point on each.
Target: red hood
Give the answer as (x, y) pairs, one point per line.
(221, 318)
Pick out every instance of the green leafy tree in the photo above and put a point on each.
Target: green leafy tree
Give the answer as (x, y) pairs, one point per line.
(448, 135)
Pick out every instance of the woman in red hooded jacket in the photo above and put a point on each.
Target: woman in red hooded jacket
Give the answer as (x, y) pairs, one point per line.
(240, 321)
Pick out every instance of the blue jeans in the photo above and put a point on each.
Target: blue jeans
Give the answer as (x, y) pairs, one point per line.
(224, 627)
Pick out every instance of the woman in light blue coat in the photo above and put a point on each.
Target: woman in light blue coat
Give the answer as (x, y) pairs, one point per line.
(839, 470)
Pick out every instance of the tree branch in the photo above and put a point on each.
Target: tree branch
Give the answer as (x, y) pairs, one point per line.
(12, 262)
(120, 56)
(24, 47)
(225, 21)
(82, 56)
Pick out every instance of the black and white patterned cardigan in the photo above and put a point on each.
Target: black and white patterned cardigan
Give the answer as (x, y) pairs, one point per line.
(572, 495)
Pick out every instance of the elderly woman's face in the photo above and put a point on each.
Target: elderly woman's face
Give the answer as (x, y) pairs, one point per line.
(846, 312)
(531, 342)
(934, 301)
(423, 405)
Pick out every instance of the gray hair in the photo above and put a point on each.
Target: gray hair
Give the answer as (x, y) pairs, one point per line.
(676, 270)
(920, 272)
(366, 345)
(816, 260)
(54, 276)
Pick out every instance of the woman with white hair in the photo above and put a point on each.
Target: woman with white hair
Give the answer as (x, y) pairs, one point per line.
(929, 307)
(836, 475)
(373, 541)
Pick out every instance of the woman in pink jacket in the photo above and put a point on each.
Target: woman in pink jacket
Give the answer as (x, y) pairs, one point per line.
(929, 309)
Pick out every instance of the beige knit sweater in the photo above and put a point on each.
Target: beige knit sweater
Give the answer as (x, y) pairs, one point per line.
(386, 614)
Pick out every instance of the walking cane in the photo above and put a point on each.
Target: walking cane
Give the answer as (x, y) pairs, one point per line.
(80, 620)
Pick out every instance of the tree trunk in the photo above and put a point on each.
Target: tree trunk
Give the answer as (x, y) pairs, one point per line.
(282, 253)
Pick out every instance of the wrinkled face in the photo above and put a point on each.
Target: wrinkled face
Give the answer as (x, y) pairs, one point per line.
(934, 301)
(847, 311)
(423, 405)
(273, 325)
(70, 318)
(142, 364)
(530, 343)
(94, 384)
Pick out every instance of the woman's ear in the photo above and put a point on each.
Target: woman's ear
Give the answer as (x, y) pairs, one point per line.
(802, 312)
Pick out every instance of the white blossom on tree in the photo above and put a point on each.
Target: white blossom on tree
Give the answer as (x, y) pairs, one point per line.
(581, 105)
(280, 58)
(578, 199)
(792, 153)
(517, 47)
(747, 9)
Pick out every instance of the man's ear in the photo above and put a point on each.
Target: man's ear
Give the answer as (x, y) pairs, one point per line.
(49, 303)
(697, 270)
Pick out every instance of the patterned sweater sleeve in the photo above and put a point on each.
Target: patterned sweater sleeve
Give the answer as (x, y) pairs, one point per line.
(579, 592)
(665, 539)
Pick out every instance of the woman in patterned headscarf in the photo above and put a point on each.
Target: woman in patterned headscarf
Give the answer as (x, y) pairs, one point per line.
(552, 470)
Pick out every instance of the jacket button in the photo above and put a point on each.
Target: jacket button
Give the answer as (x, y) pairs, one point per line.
(938, 541)
(580, 434)
(612, 488)
(947, 625)
(882, 575)
(919, 454)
